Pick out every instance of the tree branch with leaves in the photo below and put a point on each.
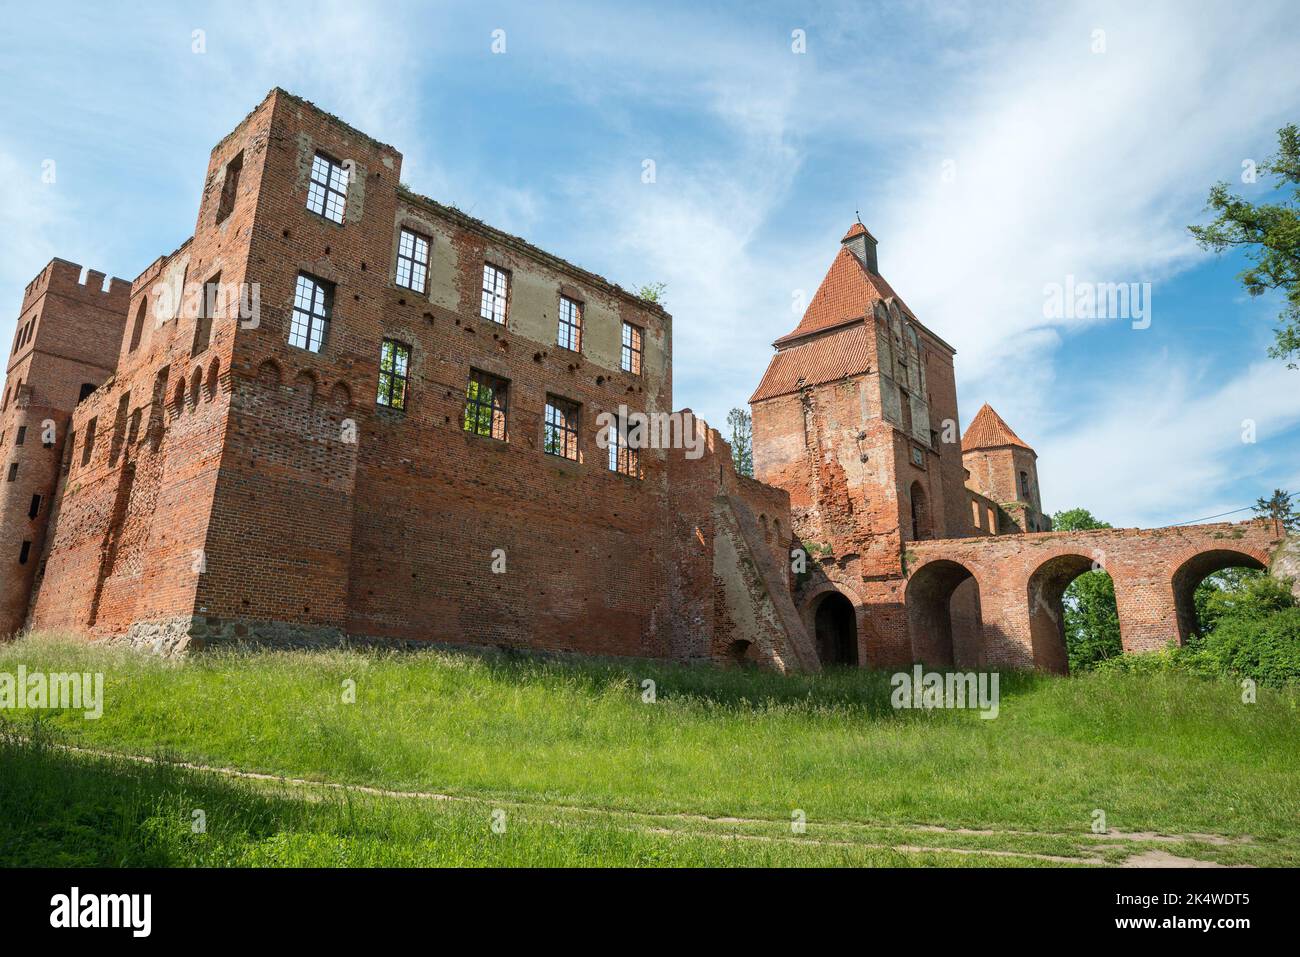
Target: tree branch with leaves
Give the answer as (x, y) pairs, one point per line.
(1269, 235)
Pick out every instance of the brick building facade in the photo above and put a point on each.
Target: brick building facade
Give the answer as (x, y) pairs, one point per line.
(342, 411)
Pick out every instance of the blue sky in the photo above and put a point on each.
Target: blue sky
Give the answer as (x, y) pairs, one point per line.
(990, 151)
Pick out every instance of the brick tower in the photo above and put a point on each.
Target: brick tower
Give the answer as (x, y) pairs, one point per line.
(1004, 469)
(65, 347)
(856, 417)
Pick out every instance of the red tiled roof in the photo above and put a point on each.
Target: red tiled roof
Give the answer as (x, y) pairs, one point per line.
(849, 291)
(819, 360)
(857, 229)
(988, 431)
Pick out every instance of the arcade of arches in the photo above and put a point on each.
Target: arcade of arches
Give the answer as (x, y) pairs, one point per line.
(997, 602)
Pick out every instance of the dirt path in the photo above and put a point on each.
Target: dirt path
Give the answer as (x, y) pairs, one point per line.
(1090, 846)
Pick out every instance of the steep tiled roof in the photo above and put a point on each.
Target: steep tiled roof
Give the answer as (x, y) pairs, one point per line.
(822, 359)
(848, 292)
(988, 431)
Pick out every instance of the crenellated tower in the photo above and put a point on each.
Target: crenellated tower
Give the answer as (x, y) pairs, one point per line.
(65, 347)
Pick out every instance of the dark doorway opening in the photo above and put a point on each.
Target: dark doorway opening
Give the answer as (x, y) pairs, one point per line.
(836, 626)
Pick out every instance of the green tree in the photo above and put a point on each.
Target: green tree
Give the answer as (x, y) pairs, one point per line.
(1279, 509)
(1091, 618)
(1269, 235)
(742, 441)
(1236, 593)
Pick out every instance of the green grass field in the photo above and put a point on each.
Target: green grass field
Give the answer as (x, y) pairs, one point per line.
(582, 771)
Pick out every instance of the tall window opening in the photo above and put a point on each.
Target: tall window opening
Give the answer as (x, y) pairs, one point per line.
(632, 348)
(561, 428)
(313, 301)
(496, 293)
(486, 401)
(570, 333)
(230, 186)
(327, 191)
(394, 360)
(412, 261)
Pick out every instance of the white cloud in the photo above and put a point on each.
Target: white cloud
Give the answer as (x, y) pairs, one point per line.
(1088, 164)
(1164, 449)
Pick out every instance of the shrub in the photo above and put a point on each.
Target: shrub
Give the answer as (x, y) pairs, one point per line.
(1265, 647)
(1257, 638)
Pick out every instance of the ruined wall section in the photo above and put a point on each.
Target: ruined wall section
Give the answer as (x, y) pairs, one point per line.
(730, 578)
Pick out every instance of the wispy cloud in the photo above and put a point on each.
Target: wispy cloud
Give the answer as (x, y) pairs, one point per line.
(1067, 162)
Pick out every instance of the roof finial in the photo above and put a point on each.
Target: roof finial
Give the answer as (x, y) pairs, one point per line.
(859, 218)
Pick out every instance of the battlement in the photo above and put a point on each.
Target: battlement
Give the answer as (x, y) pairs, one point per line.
(78, 282)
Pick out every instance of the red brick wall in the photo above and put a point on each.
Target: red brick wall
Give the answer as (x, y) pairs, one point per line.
(69, 331)
(1020, 579)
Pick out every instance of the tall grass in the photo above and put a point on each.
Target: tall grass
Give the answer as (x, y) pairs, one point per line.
(1165, 752)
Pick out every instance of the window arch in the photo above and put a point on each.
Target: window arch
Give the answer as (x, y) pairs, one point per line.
(920, 512)
(196, 382)
(214, 371)
(138, 327)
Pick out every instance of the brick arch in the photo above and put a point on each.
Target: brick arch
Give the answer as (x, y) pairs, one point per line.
(268, 374)
(928, 598)
(341, 395)
(814, 596)
(214, 373)
(835, 628)
(304, 387)
(1196, 567)
(1045, 590)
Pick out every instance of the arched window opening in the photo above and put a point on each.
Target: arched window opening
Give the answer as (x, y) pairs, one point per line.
(835, 625)
(920, 513)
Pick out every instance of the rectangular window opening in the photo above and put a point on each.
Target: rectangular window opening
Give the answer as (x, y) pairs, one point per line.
(210, 307)
(486, 404)
(229, 186)
(496, 294)
(624, 457)
(88, 445)
(328, 188)
(560, 435)
(412, 261)
(394, 361)
(570, 332)
(633, 337)
(313, 302)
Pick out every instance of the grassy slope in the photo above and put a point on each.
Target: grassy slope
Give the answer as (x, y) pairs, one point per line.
(1157, 753)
